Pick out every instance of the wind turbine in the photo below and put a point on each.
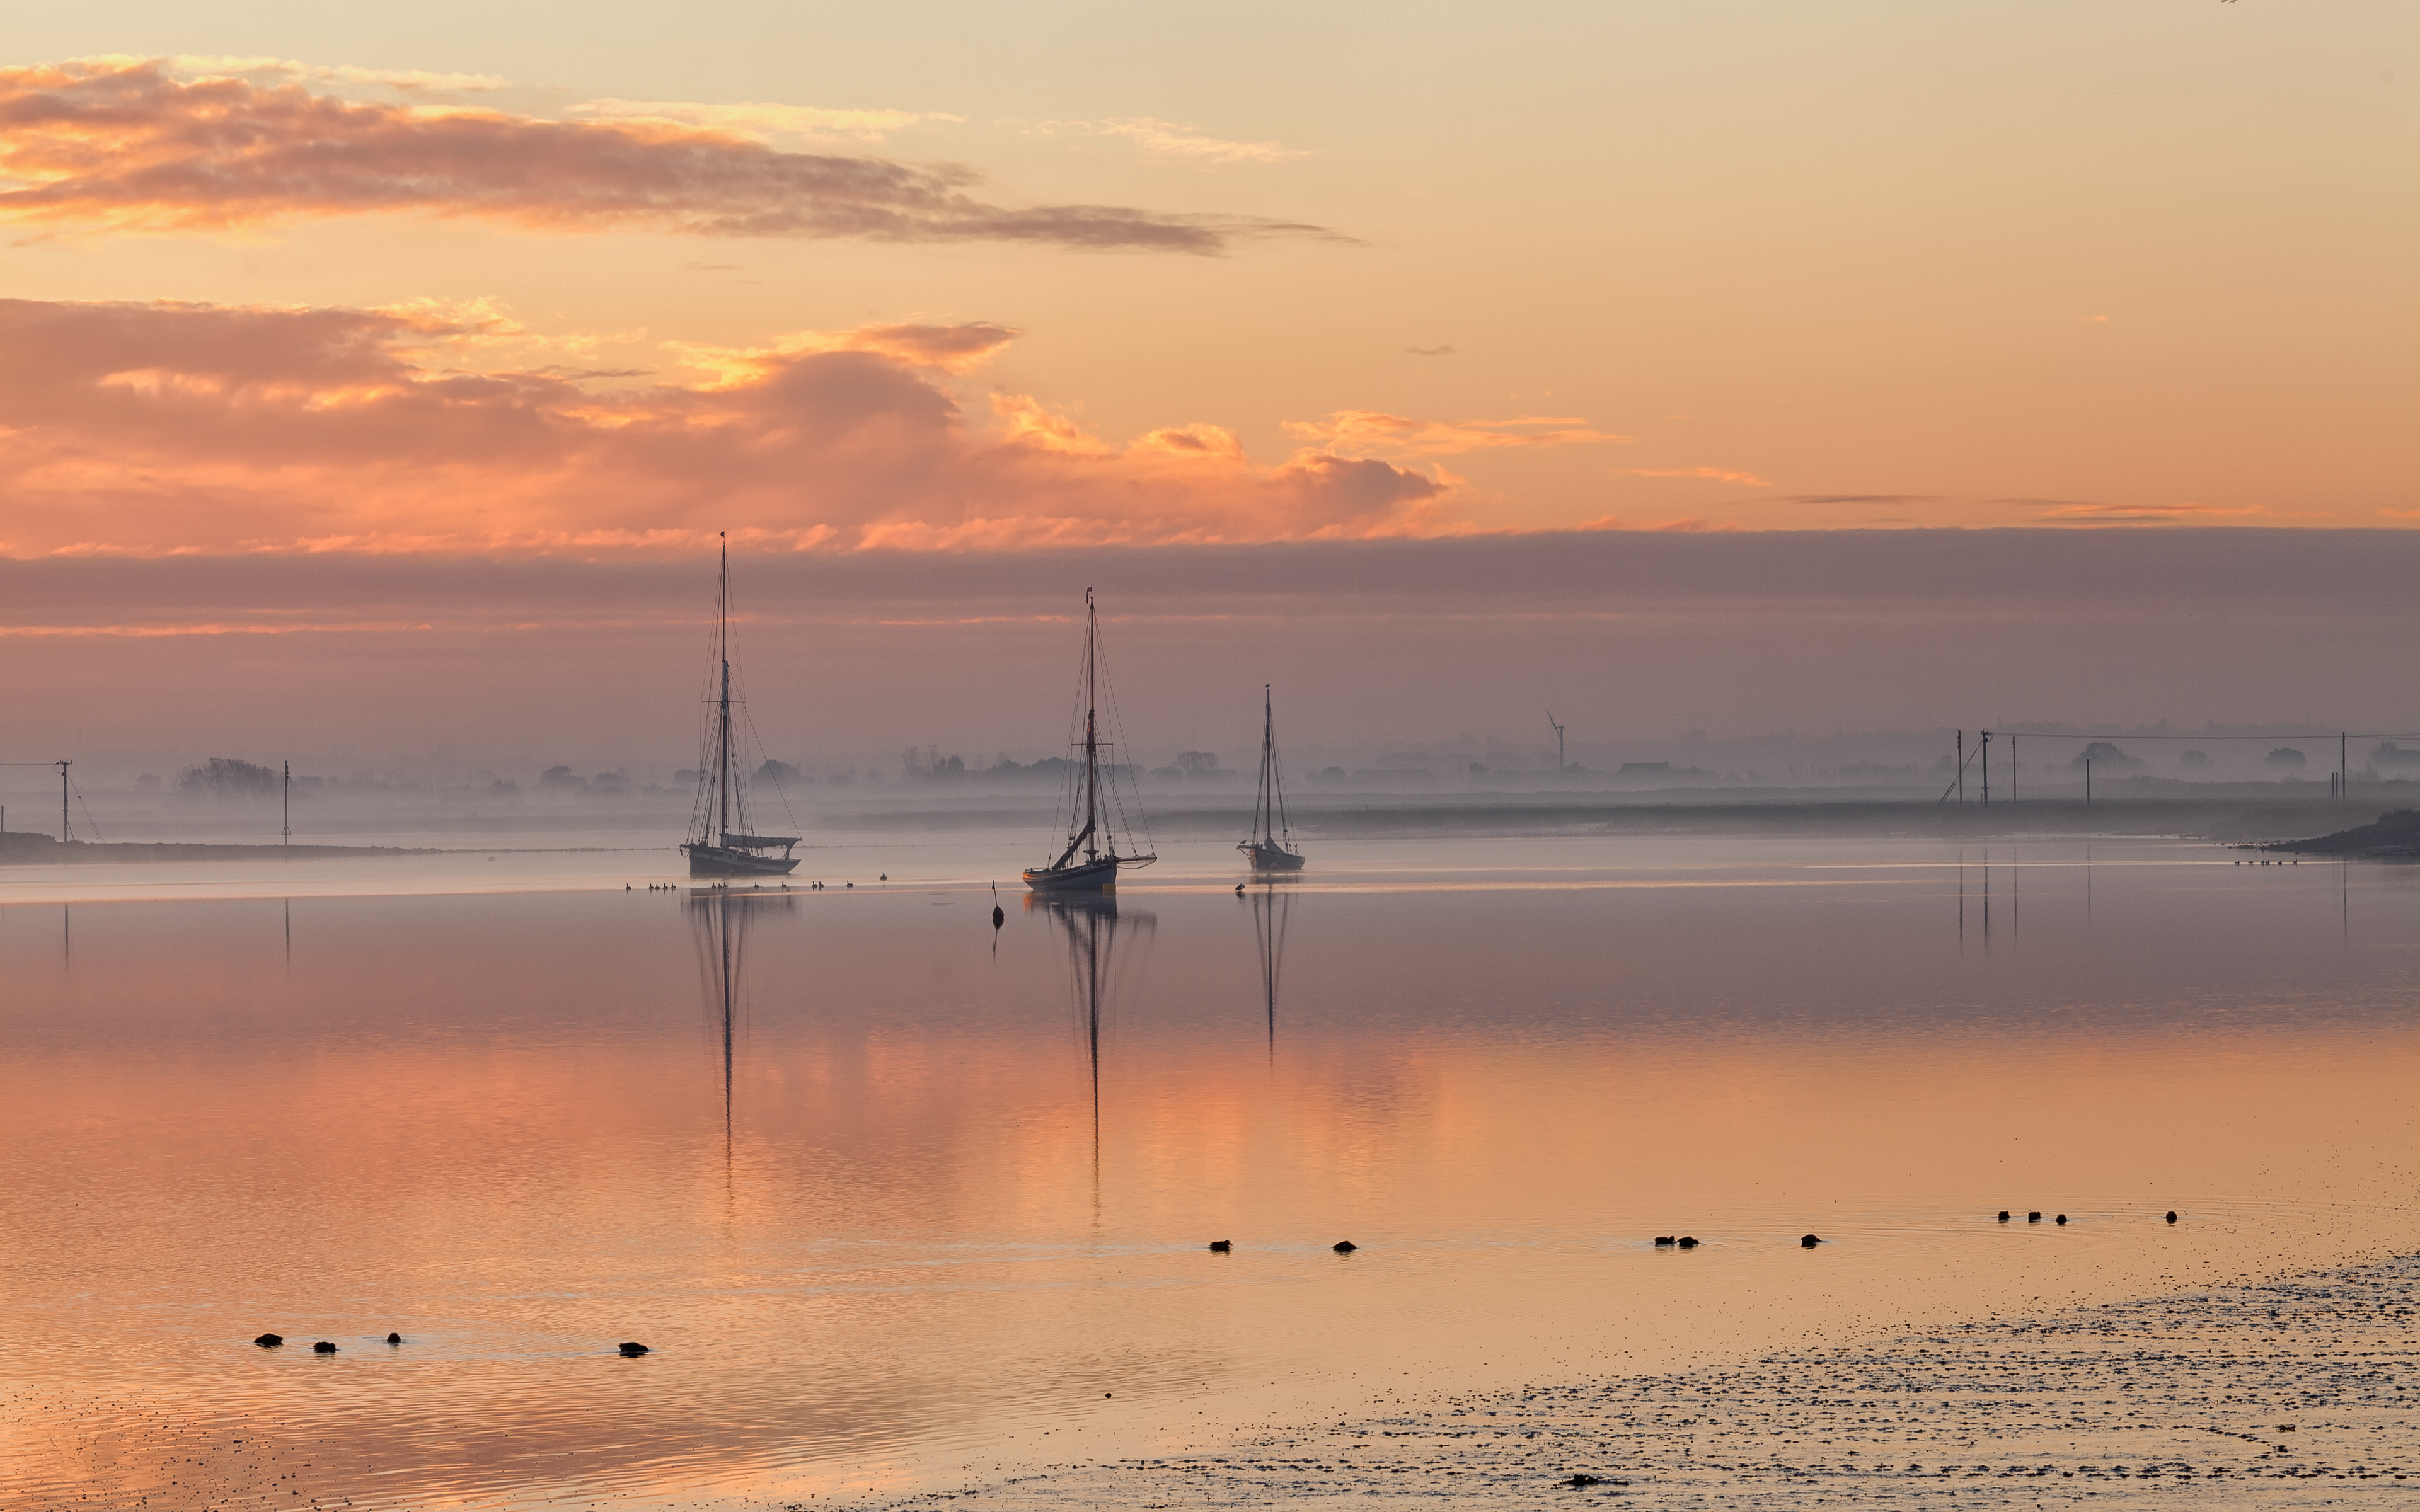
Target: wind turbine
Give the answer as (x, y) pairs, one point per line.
(1560, 765)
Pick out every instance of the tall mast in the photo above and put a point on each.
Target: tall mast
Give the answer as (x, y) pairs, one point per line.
(286, 803)
(1268, 750)
(1092, 743)
(722, 725)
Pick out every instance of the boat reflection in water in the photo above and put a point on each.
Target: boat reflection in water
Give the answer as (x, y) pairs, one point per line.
(1270, 910)
(718, 920)
(1094, 930)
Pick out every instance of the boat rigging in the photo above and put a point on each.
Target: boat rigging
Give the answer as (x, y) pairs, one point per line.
(1090, 830)
(722, 843)
(1271, 846)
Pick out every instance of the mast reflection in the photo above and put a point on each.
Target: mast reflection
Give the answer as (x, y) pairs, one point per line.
(1091, 927)
(1270, 910)
(718, 920)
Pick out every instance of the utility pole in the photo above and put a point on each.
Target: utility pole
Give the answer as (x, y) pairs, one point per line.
(66, 833)
(285, 805)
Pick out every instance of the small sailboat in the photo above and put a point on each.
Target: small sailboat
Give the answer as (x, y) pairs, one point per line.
(1090, 863)
(1271, 847)
(721, 841)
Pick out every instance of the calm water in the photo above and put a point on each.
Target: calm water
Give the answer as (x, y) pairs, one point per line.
(892, 1195)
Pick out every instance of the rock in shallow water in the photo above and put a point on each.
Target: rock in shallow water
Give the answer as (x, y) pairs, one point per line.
(1346, 1246)
(324, 1346)
(631, 1351)
(269, 1341)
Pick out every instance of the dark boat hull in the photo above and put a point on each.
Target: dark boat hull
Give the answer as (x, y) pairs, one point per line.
(720, 861)
(1271, 857)
(1084, 876)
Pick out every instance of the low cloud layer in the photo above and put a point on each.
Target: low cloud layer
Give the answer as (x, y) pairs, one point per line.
(109, 145)
(155, 428)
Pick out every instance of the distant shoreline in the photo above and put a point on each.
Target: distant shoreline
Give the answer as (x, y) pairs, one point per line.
(20, 849)
(2262, 821)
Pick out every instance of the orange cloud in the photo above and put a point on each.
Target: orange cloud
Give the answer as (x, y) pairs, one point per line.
(1745, 480)
(149, 429)
(1373, 433)
(117, 146)
(2147, 513)
(1672, 527)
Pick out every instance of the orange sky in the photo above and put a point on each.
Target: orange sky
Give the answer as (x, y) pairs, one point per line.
(940, 280)
(282, 286)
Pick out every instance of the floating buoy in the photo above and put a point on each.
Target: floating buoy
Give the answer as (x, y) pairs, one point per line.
(2004, 1215)
(2062, 1220)
(999, 915)
(885, 878)
(633, 1351)
(1665, 1241)
(1807, 1242)
(1346, 1246)
(324, 1346)
(1223, 1245)
(269, 1341)
(1686, 1242)
(2172, 1215)
(2033, 1217)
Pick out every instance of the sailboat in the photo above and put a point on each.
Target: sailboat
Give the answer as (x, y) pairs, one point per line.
(1271, 847)
(1089, 828)
(721, 842)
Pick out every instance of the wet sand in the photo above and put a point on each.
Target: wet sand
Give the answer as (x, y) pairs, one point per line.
(2288, 1392)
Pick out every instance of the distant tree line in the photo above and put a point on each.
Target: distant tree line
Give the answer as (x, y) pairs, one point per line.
(224, 779)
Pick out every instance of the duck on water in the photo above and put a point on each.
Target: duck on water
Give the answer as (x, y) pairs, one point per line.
(1089, 862)
(722, 843)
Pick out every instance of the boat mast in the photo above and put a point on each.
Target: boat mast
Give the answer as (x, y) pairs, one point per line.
(722, 726)
(1268, 753)
(1092, 743)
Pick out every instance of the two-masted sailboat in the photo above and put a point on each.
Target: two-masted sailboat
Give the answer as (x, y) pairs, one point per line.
(1090, 863)
(1271, 846)
(721, 841)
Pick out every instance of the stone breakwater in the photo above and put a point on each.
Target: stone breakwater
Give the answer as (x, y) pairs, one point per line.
(2291, 1392)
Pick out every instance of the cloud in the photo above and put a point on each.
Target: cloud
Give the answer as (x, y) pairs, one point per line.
(1866, 499)
(957, 349)
(1681, 527)
(762, 122)
(2147, 514)
(151, 429)
(1170, 141)
(1745, 480)
(278, 69)
(1374, 433)
(114, 146)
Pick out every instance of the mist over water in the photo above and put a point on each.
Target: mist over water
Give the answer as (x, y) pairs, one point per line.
(897, 1198)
